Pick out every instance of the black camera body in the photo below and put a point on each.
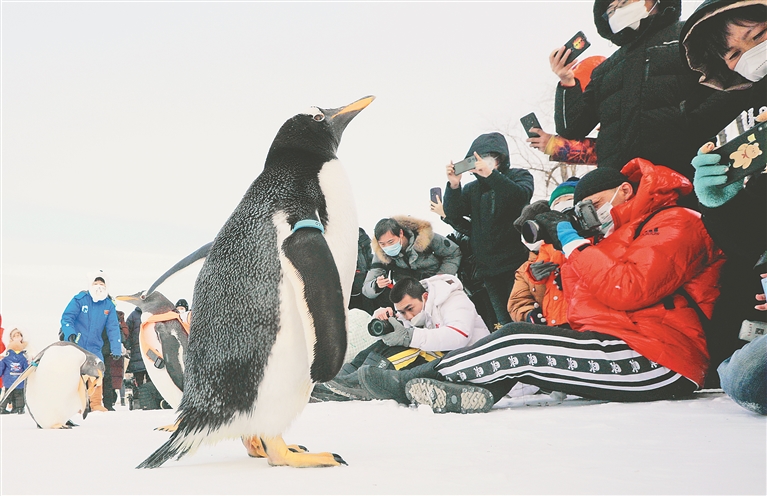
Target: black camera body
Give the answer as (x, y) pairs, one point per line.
(583, 217)
(378, 328)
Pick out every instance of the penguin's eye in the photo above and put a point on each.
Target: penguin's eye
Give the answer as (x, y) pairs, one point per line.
(319, 117)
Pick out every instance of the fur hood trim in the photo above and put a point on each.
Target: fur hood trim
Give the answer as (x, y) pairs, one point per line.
(421, 229)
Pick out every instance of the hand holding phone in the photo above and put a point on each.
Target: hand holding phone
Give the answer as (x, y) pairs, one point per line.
(464, 165)
(436, 194)
(528, 122)
(577, 45)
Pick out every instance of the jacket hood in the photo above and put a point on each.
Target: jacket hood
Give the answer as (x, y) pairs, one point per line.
(714, 72)
(491, 142)
(668, 13)
(440, 288)
(421, 229)
(658, 187)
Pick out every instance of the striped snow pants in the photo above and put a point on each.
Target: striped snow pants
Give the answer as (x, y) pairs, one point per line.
(587, 364)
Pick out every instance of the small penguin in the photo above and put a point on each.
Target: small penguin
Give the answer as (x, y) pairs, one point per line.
(271, 297)
(56, 384)
(163, 339)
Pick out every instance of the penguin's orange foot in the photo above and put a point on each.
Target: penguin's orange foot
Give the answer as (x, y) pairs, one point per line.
(167, 428)
(256, 450)
(278, 453)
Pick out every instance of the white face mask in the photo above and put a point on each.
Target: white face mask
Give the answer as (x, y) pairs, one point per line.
(98, 292)
(628, 16)
(532, 246)
(490, 161)
(419, 320)
(753, 64)
(563, 205)
(605, 216)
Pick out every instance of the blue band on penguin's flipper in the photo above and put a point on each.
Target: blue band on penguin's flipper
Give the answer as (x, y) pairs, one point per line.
(315, 224)
(309, 253)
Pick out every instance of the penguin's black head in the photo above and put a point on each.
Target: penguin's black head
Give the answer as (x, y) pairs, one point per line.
(317, 131)
(154, 303)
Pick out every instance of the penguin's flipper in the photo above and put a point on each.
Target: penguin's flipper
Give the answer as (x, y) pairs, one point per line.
(316, 272)
(278, 453)
(198, 254)
(8, 390)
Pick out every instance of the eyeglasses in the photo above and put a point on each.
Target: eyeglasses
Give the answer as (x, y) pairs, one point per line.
(615, 6)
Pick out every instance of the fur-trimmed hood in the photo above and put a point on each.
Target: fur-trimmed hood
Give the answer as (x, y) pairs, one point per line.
(420, 229)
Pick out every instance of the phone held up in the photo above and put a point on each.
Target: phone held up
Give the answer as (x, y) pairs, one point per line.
(464, 165)
(530, 121)
(435, 194)
(577, 45)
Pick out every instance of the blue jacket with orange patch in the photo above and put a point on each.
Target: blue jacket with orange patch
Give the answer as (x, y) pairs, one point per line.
(87, 318)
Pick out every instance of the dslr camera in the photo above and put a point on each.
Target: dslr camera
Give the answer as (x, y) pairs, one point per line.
(583, 216)
(378, 328)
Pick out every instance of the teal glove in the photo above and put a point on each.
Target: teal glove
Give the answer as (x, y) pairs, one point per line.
(567, 233)
(709, 180)
(401, 335)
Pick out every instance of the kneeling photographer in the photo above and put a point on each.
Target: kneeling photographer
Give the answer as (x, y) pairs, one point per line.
(428, 317)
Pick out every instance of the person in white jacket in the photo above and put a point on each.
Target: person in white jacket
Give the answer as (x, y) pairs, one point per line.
(432, 315)
(429, 317)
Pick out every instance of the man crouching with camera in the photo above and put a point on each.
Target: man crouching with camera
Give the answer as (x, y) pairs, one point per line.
(428, 317)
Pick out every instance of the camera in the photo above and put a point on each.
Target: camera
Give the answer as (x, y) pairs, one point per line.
(583, 216)
(378, 328)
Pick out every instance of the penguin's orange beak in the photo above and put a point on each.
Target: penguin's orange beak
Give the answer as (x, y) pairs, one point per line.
(354, 107)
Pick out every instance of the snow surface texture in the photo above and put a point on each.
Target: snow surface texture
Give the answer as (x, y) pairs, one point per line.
(708, 445)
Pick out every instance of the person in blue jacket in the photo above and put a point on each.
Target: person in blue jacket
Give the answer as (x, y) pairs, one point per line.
(84, 321)
(14, 362)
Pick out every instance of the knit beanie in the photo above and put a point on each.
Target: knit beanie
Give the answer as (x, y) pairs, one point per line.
(600, 179)
(565, 188)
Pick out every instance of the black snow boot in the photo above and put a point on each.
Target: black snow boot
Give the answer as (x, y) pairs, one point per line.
(348, 386)
(390, 384)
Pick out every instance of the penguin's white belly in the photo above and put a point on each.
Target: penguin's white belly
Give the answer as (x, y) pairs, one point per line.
(342, 230)
(286, 385)
(162, 381)
(52, 390)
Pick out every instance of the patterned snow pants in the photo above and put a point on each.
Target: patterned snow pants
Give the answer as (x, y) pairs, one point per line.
(587, 364)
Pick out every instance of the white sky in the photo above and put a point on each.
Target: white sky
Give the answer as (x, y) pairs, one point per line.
(130, 131)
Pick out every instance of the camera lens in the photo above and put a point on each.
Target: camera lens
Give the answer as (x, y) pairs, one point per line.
(378, 328)
(530, 231)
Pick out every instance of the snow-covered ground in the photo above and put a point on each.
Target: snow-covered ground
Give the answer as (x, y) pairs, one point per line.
(708, 445)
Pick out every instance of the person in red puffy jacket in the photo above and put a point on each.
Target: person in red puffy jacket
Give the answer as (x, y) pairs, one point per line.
(636, 297)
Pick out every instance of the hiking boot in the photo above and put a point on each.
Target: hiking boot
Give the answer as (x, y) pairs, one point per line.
(445, 397)
(321, 393)
(348, 386)
(385, 384)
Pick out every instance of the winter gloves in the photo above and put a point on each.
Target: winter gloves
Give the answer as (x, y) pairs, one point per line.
(401, 335)
(709, 180)
(535, 316)
(541, 270)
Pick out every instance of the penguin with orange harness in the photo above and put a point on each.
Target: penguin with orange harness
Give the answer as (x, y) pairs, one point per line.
(163, 338)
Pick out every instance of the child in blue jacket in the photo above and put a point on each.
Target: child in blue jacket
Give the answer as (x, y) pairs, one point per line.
(13, 364)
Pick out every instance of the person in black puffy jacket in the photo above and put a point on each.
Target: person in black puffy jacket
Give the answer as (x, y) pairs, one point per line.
(643, 97)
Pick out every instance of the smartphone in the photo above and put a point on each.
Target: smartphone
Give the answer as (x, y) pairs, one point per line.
(577, 45)
(435, 194)
(464, 165)
(530, 121)
(746, 154)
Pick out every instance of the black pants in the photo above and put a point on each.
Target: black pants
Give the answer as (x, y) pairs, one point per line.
(498, 290)
(16, 398)
(587, 364)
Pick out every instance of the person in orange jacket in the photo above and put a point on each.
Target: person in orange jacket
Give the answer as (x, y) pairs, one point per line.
(537, 296)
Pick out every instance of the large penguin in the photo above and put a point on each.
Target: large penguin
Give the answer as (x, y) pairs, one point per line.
(271, 297)
(163, 338)
(56, 384)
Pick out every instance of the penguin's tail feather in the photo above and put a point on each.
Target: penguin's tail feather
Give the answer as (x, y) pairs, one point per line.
(173, 448)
